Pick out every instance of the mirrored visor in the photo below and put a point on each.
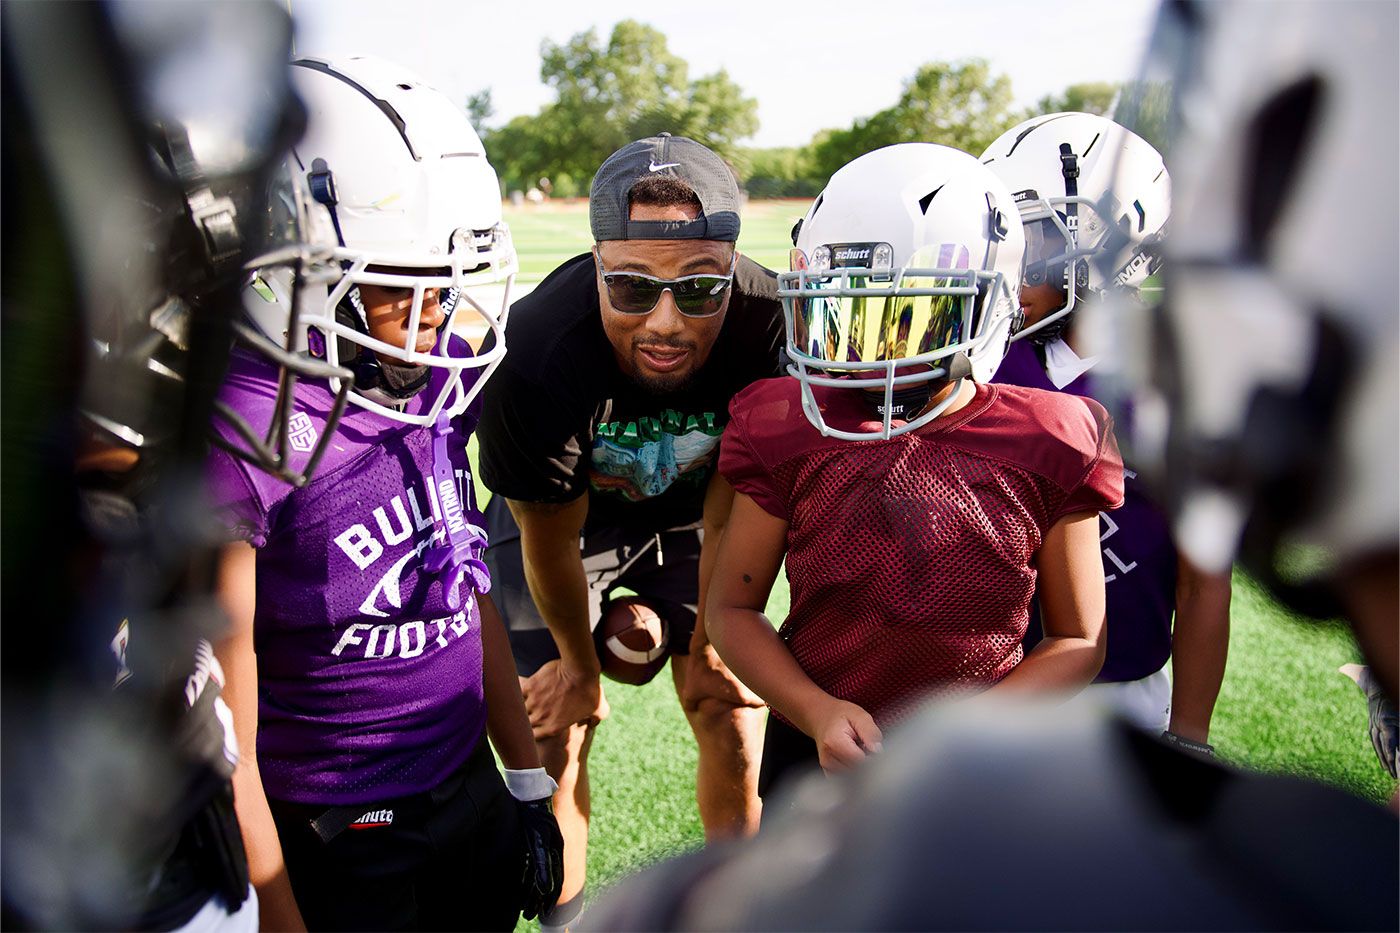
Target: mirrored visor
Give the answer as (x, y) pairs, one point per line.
(842, 315)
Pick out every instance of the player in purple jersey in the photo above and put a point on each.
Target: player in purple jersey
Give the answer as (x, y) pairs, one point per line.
(919, 508)
(1060, 168)
(368, 664)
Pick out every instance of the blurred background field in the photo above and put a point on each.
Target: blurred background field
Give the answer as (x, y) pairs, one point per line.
(1283, 707)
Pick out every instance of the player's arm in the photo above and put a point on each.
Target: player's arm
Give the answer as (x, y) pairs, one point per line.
(564, 691)
(509, 730)
(1200, 641)
(706, 677)
(506, 723)
(1070, 588)
(236, 588)
(747, 561)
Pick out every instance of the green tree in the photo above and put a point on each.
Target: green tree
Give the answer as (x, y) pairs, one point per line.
(1145, 108)
(1095, 97)
(777, 173)
(959, 104)
(609, 94)
(480, 109)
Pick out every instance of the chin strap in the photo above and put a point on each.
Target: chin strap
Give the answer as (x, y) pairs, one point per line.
(464, 529)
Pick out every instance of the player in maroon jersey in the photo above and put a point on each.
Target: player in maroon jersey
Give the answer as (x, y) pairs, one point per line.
(916, 505)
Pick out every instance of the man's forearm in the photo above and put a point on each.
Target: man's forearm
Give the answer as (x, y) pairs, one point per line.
(554, 572)
(719, 499)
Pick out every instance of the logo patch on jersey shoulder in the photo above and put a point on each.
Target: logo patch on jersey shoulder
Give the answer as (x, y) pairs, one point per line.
(301, 433)
(373, 818)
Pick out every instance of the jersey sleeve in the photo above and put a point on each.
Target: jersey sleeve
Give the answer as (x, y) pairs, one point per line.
(1101, 487)
(236, 499)
(529, 449)
(742, 465)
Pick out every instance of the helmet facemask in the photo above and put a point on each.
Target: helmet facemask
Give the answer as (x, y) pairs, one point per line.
(389, 373)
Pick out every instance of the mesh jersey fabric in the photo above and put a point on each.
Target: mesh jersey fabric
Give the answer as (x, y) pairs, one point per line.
(369, 684)
(1139, 557)
(910, 560)
(561, 419)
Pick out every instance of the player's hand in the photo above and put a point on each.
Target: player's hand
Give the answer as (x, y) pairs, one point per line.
(557, 697)
(543, 874)
(1385, 724)
(845, 735)
(707, 678)
(544, 858)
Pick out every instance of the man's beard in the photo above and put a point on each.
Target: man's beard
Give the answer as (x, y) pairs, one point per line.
(663, 383)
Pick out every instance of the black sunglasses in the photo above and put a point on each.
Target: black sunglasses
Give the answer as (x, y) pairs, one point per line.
(695, 295)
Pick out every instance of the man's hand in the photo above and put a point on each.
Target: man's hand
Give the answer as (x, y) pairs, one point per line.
(557, 698)
(707, 677)
(845, 735)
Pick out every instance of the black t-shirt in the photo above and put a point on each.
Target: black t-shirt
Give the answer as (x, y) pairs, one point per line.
(560, 417)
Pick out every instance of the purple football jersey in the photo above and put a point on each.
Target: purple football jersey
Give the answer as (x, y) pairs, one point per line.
(1139, 558)
(369, 684)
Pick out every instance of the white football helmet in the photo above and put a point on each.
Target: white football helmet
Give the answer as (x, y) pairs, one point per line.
(414, 204)
(906, 274)
(1088, 191)
(1271, 371)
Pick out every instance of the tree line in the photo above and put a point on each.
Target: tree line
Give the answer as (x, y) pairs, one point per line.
(632, 85)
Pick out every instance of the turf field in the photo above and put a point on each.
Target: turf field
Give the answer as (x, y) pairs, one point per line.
(1283, 706)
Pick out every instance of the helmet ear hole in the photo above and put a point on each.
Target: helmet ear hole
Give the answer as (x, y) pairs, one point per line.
(980, 310)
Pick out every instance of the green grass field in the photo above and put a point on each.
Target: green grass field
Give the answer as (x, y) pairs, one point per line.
(1283, 706)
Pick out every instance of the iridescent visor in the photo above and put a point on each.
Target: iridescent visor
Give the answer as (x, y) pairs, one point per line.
(851, 316)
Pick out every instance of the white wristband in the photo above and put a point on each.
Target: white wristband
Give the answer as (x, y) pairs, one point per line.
(530, 784)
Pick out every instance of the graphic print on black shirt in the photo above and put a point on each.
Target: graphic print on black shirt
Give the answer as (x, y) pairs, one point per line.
(560, 419)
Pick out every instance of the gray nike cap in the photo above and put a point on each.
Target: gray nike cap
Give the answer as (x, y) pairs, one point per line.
(677, 157)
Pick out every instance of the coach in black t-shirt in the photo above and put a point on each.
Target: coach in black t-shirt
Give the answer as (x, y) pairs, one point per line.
(602, 428)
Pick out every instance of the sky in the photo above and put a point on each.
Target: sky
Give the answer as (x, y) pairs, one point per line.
(810, 66)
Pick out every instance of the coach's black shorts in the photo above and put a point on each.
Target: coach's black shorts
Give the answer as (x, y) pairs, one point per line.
(450, 858)
(663, 569)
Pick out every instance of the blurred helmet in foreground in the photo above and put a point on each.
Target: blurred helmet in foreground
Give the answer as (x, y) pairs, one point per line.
(123, 258)
(905, 275)
(1272, 405)
(414, 205)
(1086, 187)
(290, 248)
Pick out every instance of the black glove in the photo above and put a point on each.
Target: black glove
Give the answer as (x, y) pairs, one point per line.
(1385, 724)
(544, 857)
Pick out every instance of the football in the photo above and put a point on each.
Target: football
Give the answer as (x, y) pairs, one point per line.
(631, 641)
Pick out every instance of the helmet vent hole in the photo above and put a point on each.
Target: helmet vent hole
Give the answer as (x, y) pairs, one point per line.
(927, 199)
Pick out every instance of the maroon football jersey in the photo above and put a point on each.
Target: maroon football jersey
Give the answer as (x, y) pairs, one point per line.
(910, 560)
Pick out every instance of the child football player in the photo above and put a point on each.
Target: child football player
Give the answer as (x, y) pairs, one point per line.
(917, 506)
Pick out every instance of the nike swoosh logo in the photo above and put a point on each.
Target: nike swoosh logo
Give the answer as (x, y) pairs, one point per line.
(653, 167)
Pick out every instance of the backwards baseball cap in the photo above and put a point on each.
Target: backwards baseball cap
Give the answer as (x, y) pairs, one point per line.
(676, 157)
